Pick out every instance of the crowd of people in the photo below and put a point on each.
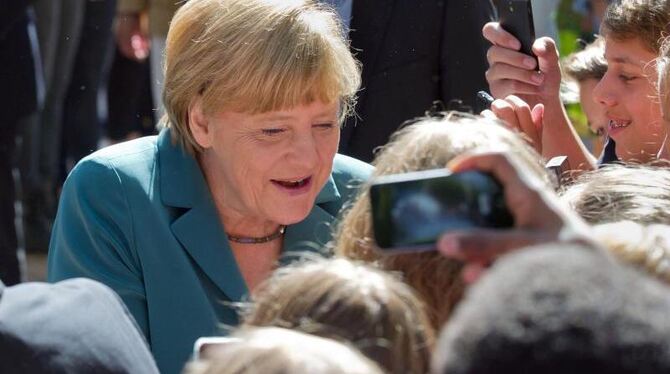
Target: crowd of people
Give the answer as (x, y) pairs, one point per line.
(240, 239)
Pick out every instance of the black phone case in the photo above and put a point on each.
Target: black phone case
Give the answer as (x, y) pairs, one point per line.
(516, 17)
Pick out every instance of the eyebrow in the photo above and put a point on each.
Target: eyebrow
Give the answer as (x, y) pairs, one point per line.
(624, 60)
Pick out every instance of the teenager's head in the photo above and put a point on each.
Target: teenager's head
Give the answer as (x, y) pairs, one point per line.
(632, 30)
(273, 350)
(586, 68)
(344, 300)
(637, 193)
(429, 143)
(559, 308)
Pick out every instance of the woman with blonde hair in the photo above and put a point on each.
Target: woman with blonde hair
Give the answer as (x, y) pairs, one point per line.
(349, 301)
(182, 226)
(429, 143)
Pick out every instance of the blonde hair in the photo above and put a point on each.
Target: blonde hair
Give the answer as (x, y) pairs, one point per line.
(344, 300)
(274, 350)
(646, 20)
(254, 56)
(428, 143)
(639, 193)
(645, 247)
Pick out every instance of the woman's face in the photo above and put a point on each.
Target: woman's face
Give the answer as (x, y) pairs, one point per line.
(628, 93)
(271, 166)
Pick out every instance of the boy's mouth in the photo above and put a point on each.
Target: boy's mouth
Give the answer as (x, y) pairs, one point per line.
(618, 124)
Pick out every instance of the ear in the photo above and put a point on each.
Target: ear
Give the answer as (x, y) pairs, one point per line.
(199, 124)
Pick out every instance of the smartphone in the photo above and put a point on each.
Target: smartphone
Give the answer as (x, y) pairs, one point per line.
(411, 211)
(516, 17)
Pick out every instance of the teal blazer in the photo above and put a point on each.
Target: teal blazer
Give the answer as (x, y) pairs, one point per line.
(139, 217)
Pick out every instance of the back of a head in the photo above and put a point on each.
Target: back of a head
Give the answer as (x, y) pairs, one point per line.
(647, 247)
(559, 308)
(645, 20)
(429, 143)
(588, 63)
(281, 351)
(343, 300)
(622, 192)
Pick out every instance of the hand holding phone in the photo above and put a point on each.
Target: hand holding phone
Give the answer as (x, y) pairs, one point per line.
(411, 211)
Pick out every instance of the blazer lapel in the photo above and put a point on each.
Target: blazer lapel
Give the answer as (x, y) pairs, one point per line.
(369, 21)
(198, 229)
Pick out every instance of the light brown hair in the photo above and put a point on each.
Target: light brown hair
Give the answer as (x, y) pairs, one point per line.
(589, 63)
(646, 247)
(254, 56)
(621, 192)
(646, 20)
(428, 143)
(343, 300)
(274, 350)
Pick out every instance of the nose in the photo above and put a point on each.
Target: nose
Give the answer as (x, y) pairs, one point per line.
(603, 93)
(304, 152)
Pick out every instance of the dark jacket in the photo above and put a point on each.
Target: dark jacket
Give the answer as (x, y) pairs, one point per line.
(413, 52)
(21, 85)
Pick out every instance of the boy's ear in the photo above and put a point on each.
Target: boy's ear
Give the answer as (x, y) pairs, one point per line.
(199, 124)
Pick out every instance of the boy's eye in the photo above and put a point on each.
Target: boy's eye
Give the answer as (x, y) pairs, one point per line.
(626, 78)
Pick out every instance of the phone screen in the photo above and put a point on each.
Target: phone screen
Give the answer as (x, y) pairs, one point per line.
(411, 211)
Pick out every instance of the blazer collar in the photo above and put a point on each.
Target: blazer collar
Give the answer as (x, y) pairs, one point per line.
(200, 231)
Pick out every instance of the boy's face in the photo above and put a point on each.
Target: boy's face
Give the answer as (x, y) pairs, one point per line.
(631, 106)
(595, 111)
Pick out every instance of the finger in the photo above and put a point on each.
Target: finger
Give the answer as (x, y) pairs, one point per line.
(505, 87)
(484, 246)
(505, 112)
(472, 272)
(525, 120)
(496, 54)
(547, 55)
(500, 71)
(495, 34)
(538, 117)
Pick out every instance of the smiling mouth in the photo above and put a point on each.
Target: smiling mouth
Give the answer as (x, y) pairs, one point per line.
(617, 124)
(292, 184)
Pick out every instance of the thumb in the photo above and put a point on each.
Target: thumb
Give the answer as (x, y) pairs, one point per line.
(485, 245)
(547, 55)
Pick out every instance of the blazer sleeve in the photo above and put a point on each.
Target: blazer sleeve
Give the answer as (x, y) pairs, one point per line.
(93, 235)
